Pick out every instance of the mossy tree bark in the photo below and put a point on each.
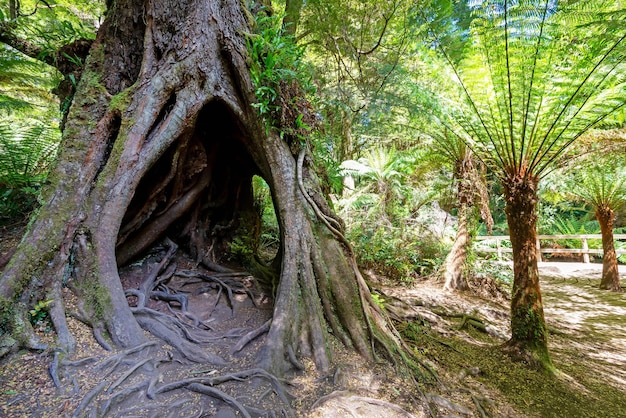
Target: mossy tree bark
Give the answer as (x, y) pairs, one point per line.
(529, 337)
(162, 140)
(610, 272)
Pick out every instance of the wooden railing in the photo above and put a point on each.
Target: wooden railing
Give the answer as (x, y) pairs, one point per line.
(584, 249)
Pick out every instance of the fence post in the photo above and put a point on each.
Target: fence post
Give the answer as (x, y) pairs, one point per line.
(585, 248)
(539, 259)
(499, 249)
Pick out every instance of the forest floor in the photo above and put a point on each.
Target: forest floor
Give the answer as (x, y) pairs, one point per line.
(473, 376)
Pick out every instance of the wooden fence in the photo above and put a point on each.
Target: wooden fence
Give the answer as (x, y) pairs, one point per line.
(584, 248)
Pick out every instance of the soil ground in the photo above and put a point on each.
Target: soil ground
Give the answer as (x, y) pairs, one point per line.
(471, 375)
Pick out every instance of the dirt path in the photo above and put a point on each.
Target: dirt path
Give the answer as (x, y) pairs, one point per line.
(588, 344)
(593, 321)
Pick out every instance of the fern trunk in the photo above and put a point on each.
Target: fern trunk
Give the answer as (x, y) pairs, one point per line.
(454, 267)
(610, 271)
(529, 338)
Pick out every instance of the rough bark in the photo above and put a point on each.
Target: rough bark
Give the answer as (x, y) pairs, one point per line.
(454, 268)
(529, 337)
(162, 140)
(610, 272)
(471, 193)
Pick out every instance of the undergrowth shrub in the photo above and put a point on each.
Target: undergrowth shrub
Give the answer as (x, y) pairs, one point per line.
(26, 155)
(401, 257)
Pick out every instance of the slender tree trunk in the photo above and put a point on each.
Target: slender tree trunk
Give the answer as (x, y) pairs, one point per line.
(13, 9)
(454, 268)
(610, 271)
(529, 337)
(292, 16)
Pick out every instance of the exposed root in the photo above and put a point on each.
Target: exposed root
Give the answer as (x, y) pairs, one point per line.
(54, 370)
(88, 398)
(120, 396)
(380, 328)
(251, 336)
(215, 393)
(176, 339)
(113, 361)
(97, 335)
(293, 359)
(126, 375)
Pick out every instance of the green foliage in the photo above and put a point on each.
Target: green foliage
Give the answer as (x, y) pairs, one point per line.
(53, 24)
(25, 84)
(572, 226)
(601, 184)
(536, 76)
(241, 249)
(269, 239)
(500, 272)
(401, 257)
(378, 300)
(356, 50)
(39, 313)
(275, 64)
(326, 161)
(26, 155)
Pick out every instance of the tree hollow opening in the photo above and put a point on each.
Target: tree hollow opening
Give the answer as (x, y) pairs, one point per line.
(200, 194)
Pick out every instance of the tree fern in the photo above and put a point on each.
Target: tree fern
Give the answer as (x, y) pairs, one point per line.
(25, 84)
(536, 76)
(602, 184)
(26, 155)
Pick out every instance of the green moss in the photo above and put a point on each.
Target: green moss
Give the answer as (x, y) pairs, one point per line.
(530, 391)
(95, 296)
(122, 100)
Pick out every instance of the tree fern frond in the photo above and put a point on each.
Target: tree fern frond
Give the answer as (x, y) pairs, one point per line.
(537, 75)
(26, 154)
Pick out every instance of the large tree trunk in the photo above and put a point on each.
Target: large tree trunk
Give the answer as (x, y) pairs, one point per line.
(529, 332)
(162, 140)
(610, 271)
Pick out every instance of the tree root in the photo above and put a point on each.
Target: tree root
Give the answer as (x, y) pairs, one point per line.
(88, 398)
(380, 328)
(293, 359)
(126, 375)
(119, 397)
(117, 359)
(53, 369)
(176, 339)
(215, 393)
(466, 320)
(251, 336)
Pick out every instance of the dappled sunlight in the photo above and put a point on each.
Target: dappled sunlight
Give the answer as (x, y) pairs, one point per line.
(588, 327)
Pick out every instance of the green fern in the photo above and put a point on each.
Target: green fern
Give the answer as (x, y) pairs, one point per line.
(536, 76)
(26, 155)
(601, 185)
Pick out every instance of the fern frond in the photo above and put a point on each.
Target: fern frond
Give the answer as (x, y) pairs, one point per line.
(536, 76)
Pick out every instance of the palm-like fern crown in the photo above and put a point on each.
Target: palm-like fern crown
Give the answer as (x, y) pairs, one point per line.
(602, 185)
(535, 76)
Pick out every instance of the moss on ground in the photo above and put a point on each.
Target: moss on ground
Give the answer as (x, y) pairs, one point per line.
(576, 390)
